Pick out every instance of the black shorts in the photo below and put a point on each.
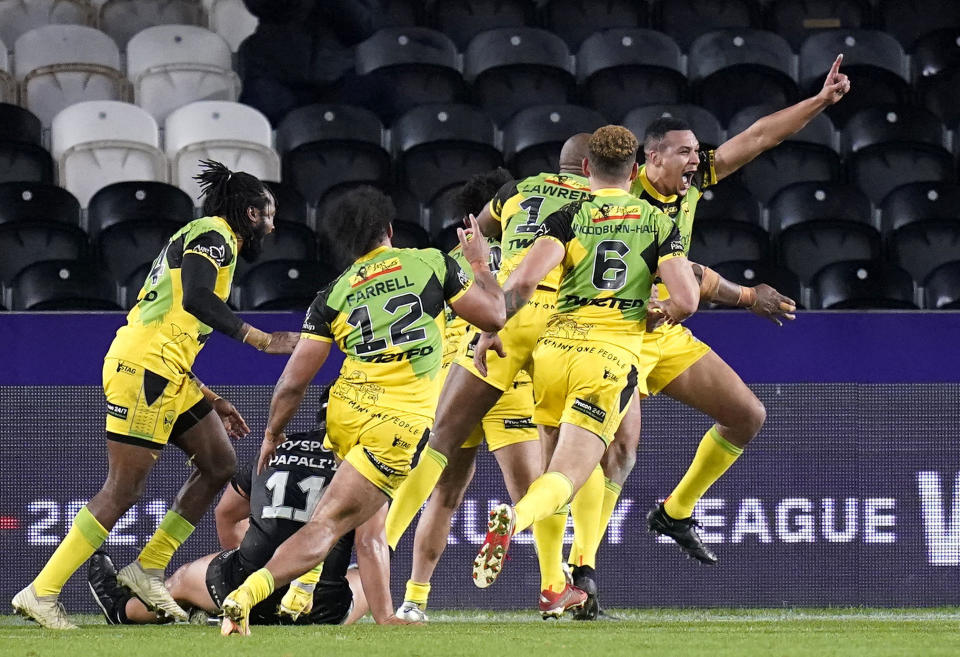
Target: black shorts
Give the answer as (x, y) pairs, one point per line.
(332, 600)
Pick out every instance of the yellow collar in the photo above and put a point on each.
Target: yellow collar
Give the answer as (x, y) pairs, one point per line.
(609, 191)
(372, 254)
(651, 190)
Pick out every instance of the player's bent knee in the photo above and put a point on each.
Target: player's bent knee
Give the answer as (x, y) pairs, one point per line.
(220, 468)
(754, 417)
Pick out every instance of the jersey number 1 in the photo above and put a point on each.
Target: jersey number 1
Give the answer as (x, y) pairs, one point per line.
(277, 484)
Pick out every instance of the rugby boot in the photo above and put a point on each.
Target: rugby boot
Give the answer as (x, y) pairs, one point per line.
(236, 613)
(489, 562)
(585, 579)
(411, 612)
(147, 584)
(47, 611)
(297, 600)
(683, 531)
(552, 605)
(107, 592)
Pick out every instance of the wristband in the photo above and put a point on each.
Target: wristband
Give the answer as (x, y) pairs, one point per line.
(747, 297)
(259, 340)
(709, 284)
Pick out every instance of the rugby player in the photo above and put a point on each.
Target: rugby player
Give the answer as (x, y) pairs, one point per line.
(587, 362)
(507, 428)
(153, 398)
(386, 314)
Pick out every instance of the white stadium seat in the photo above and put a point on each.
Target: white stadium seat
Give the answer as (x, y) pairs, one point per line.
(98, 143)
(122, 19)
(231, 20)
(8, 86)
(58, 65)
(232, 133)
(173, 65)
(17, 17)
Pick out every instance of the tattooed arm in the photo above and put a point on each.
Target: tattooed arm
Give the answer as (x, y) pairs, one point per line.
(543, 256)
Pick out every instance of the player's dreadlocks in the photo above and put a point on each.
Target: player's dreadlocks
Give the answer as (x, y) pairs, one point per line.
(358, 221)
(228, 194)
(656, 131)
(613, 151)
(479, 189)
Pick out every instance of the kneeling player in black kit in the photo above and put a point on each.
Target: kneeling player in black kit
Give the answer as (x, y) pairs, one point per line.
(276, 503)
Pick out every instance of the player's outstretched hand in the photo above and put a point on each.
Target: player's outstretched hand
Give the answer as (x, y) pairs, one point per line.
(486, 342)
(268, 449)
(393, 620)
(836, 85)
(476, 251)
(233, 422)
(662, 312)
(282, 342)
(772, 305)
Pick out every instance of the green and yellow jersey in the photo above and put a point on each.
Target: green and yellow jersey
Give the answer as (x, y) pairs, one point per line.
(386, 313)
(159, 334)
(457, 326)
(613, 243)
(520, 206)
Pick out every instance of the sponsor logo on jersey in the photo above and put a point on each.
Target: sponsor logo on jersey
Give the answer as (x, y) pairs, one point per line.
(117, 411)
(168, 419)
(589, 409)
(518, 423)
(463, 278)
(380, 465)
(368, 272)
(402, 444)
(123, 368)
(403, 355)
(216, 253)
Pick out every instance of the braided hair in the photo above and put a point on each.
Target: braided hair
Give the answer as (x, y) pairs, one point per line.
(228, 194)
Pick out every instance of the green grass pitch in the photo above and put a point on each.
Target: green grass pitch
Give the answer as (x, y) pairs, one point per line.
(714, 633)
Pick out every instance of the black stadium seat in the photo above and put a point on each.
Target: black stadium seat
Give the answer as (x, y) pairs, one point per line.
(907, 20)
(787, 164)
(22, 158)
(936, 53)
(286, 242)
(514, 68)
(461, 20)
(685, 21)
(719, 241)
(575, 20)
(618, 66)
(806, 202)
(409, 236)
(25, 243)
(64, 285)
(705, 125)
(863, 284)
(133, 284)
(438, 146)
(879, 169)
(323, 146)
(139, 202)
(735, 68)
(893, 123)
(795, 20)
(291, 205)
(922, 247)
(283, 284)
(728, 202)
(125, 247)
(819, 130)
(533, 138)
(755, 272)
(447, 238)
(37, 202)
(942, 287)
(920, 202)
(941, 94)
(807, 248)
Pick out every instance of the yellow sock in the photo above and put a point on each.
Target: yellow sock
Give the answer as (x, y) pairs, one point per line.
(312, 576)
(418, 593)
(611, 493)
(413, 492)
(85, 536)
(260, 585)
(586, 508)
(714, 455)
(548, 535)
(546, 495)
(172, 532)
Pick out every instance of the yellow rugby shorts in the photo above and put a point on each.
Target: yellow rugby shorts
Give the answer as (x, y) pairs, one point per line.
(667, 353)
(510, 421)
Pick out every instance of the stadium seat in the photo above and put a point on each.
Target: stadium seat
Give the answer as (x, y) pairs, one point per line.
(400, 13)
(237, 135)
(511, 69)
(172, 65)
(936, 53)
(442, 212)
(65, 285)
(286, 242)
(735, 68)
(409, 236)
(24, 244)
(291, 205)
(138, 202)
(447, 238)
(705, 125)
(575, 20)
(808, 247)
(533, 138)
(787, 164)
(283, 284)
(25, 202)
(942, 287)
(271, 11)
(124, 248)
(922, 247)
(438, 146)
(795, 20)
(403, 67)
(122, 19)
(920, 202)
(873, 60)
(806, 202)
(728, 202)
(941, 94)
(96, 143)
(755, 272)
(685, 21)
(231, 20)
(720, 241)
(907, 20)
(879, 169)
(819, 130)
(461, 20)
(22, 158)
(17, 17)
(8, 85)
(893, 123)
(618, 66)
(863, 284)
(130, 288)
(324, 146)
(58, 65)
